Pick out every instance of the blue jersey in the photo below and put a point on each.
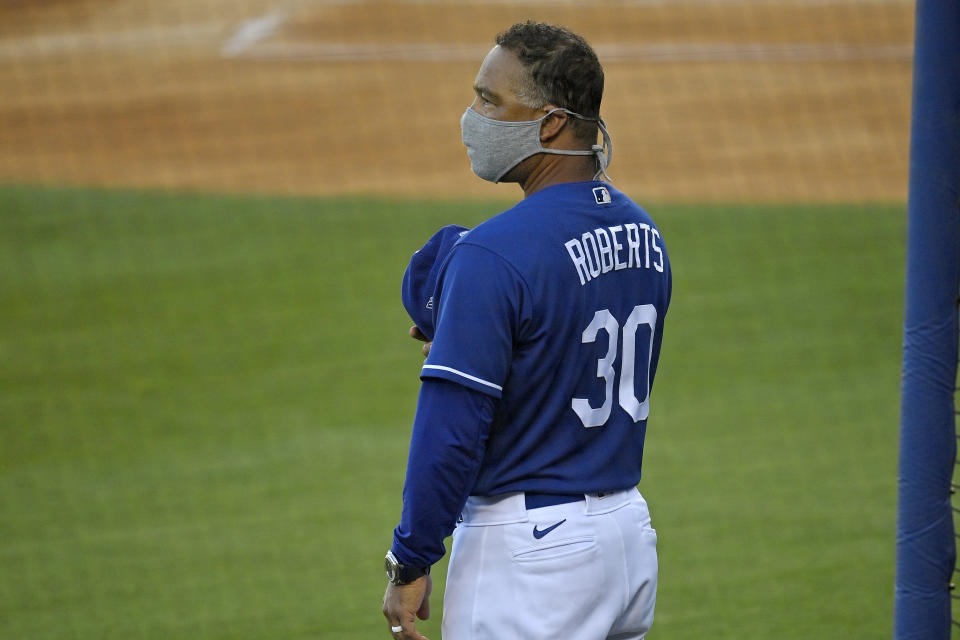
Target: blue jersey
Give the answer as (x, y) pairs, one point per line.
(556, 308)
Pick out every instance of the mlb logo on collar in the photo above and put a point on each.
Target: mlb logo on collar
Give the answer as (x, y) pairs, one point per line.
(601, 195)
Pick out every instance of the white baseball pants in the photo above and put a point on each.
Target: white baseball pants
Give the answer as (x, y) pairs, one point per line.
(584, 570)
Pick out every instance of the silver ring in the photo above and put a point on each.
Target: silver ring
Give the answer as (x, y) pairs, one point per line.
(396, 629)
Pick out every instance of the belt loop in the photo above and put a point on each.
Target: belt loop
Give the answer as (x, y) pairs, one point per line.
(599, 503)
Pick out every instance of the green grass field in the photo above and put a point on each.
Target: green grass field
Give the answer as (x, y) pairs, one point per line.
(205, 404)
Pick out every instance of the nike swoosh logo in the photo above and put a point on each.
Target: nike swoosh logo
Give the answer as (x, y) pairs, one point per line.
(539, 533)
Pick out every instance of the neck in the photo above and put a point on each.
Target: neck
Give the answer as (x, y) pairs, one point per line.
(553, 169)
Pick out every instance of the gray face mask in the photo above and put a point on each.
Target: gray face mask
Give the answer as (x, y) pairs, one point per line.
(497, 146)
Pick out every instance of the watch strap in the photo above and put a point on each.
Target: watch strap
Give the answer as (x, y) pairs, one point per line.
(401, 574)
(407, 574)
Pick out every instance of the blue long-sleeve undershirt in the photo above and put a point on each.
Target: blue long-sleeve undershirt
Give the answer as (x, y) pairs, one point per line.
(450, 432)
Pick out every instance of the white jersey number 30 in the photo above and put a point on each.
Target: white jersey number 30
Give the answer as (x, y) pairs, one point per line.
(642, 314)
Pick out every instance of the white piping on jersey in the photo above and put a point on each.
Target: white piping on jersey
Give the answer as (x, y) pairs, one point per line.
(464, 375)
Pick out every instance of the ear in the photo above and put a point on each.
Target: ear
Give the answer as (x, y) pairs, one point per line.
(553, 124)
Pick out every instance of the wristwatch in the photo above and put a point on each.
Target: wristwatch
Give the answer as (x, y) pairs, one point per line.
(400, 574)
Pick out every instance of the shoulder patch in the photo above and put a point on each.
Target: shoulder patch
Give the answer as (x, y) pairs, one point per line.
(601, 195)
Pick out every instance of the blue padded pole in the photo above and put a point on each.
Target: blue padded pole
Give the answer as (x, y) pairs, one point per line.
(926, 549)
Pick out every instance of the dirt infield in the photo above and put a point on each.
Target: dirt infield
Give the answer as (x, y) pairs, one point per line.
(706, 99)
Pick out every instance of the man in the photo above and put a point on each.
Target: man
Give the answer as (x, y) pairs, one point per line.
(548, 321)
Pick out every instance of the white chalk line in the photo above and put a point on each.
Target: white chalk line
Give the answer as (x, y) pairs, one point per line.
(250, 41)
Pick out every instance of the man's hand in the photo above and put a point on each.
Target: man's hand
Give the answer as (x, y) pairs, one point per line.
(403, 604)
(416, 334)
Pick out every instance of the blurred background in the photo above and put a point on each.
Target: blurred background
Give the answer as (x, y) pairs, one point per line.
(707, 99)
(206, 387)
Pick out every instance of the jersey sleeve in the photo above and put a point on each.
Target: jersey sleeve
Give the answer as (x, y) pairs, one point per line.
(482, 306)
(450, 431)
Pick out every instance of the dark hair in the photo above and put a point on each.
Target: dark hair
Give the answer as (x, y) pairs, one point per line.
(564, 70)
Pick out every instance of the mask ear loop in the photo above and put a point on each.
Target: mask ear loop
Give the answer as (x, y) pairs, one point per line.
(604, 152)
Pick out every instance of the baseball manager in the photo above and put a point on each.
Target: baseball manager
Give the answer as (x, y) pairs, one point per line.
(530, 424)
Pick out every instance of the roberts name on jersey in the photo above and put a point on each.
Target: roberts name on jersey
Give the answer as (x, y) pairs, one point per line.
(623, 246)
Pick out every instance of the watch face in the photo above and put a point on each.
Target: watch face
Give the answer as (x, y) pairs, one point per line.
(390, 564)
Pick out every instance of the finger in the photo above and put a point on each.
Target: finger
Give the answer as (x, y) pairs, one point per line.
(424, 611)
(398, 628)
(416, 334)
(426, 349)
